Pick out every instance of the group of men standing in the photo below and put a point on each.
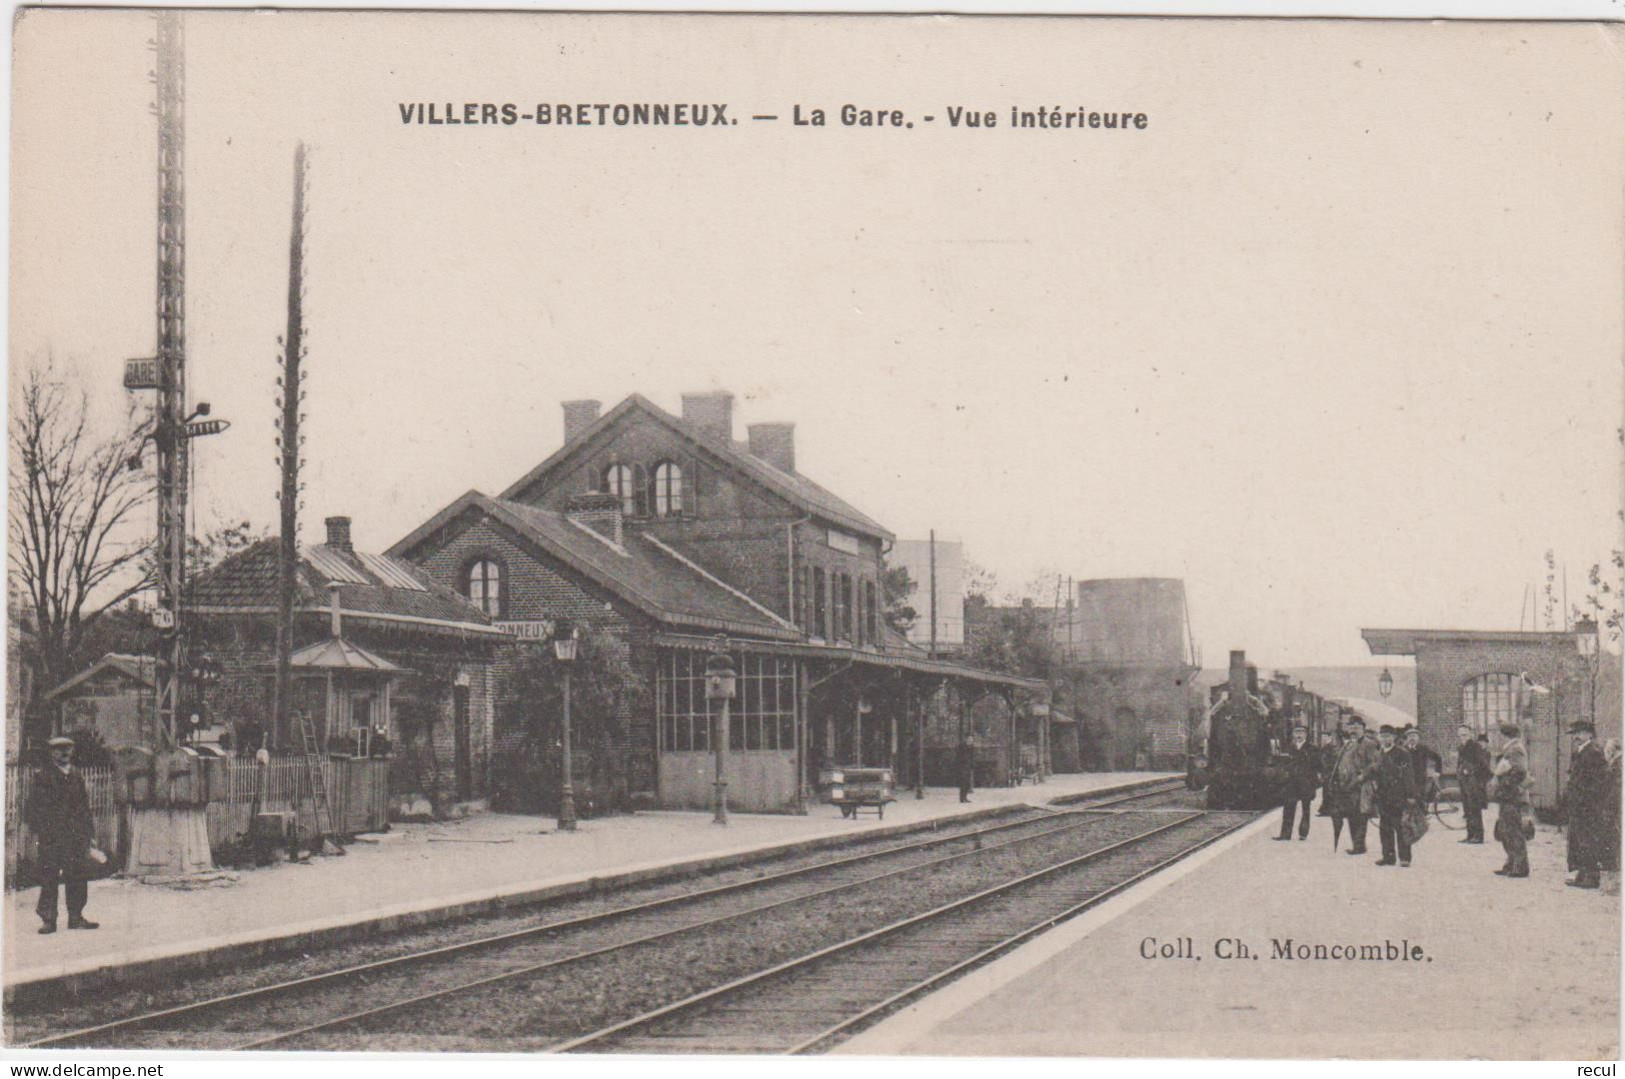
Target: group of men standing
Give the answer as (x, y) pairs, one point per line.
(1389, 777)
(1363, 778)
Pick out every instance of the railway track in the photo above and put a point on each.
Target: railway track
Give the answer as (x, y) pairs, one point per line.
(260, 1017)
(811, 1003)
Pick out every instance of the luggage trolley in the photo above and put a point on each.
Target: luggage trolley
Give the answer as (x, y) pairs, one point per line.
(855, 789)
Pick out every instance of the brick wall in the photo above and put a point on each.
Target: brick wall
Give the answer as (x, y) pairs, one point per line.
(1443, 666)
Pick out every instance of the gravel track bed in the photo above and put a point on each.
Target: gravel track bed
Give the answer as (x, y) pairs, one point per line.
(537, 1011)
(39, 1020)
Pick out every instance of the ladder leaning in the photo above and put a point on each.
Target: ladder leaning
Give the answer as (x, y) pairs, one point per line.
(321, 808)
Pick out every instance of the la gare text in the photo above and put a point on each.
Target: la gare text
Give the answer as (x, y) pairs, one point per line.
(1286, 948)
(721, 116)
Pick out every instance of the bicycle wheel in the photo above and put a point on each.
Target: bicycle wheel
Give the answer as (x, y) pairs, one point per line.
(1448, 814)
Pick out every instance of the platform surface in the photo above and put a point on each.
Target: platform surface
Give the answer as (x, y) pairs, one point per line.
(422, 867)
(1511, 969)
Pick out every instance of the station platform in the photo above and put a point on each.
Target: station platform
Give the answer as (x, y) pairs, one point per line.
(418, 874)
(1508, 969)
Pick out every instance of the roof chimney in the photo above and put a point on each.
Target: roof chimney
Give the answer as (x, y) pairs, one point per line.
(599, 511)
(338, 533)
(578, 416)
(774, 443)
(711, 412)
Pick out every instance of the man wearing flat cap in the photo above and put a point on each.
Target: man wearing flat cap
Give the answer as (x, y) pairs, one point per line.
(1587, 798)
(59, 814)
(1396, 790)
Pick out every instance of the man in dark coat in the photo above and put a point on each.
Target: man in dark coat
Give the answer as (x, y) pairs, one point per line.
(1302, 778)
(1472, 774)
(1422, 760)
(1589, 783)
(59, 814)
(965, 768)
(1396, 790)
(1511, 770)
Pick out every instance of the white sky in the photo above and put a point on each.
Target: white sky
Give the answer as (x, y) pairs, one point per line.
(1337, 339)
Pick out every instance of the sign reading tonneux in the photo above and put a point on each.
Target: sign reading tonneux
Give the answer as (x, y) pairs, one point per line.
(699, 335)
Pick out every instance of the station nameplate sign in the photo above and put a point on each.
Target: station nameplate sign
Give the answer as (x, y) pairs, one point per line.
(532, 630)
(141, 374)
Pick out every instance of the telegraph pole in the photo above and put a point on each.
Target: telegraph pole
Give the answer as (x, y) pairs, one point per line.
(290, 385)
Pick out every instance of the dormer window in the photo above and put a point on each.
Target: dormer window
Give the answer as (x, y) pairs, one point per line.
(668, 490)
(625, 483)
(484, 586)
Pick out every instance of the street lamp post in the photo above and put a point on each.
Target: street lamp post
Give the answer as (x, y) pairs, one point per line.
(719, 686)
(565, 639)
(1385, 683)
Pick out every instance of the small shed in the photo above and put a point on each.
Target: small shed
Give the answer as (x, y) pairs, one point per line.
(113, 697)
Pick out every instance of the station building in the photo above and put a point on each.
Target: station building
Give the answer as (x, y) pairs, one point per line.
(669, 537)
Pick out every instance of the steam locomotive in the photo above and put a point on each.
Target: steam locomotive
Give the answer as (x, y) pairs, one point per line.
(1236, 748)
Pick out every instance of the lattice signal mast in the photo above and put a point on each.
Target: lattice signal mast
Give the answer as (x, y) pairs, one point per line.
(171, 410)
(173, 427)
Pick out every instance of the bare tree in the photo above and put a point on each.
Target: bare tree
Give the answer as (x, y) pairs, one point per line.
(76, 542)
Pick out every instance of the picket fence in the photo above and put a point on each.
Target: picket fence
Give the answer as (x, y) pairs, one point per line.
(358, 791)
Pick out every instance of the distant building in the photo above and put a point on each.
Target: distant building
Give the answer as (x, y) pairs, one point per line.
(915, 556)
(1476, 677)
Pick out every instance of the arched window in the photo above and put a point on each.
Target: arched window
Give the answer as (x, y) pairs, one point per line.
(1488, 701)
(668, 489)
(484, 586)
(618, 482)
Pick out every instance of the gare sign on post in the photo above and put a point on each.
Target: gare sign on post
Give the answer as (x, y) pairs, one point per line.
(141, 374)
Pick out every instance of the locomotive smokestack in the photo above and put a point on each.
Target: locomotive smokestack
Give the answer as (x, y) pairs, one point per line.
(1238, 676)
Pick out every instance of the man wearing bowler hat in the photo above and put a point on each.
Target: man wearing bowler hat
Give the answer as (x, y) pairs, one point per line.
(1396, 790)
(59, 814)
(1589, 783)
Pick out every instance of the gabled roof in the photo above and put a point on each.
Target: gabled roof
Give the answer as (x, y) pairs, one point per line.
(792, 486)
(643, 572)
(136, 668)
(370, 587)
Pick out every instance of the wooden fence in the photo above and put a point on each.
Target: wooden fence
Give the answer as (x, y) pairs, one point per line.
(358, 791)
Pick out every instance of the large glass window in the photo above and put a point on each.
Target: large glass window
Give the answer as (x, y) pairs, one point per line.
(483, 586)
(762, 715)
(668, 489)
(871, 625)
(1488, 701)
